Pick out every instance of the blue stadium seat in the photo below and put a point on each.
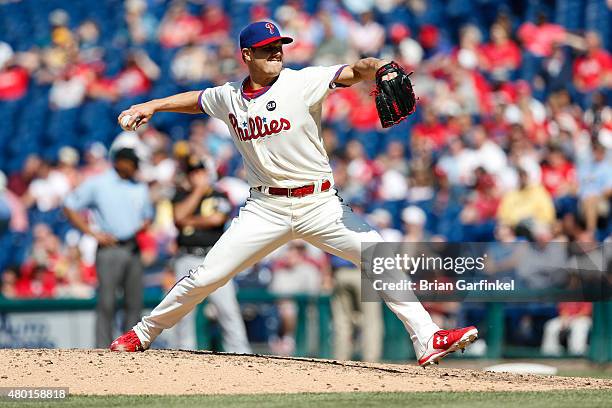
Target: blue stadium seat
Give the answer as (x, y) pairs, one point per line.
(598, 17)
(570, 14)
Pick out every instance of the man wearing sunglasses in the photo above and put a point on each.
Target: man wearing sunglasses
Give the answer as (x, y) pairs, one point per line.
(274, 116)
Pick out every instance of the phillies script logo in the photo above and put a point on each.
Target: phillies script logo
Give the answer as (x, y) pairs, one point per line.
(258, 127)
(270, 27)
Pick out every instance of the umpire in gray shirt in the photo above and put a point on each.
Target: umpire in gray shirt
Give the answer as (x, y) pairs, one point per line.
(121, 207)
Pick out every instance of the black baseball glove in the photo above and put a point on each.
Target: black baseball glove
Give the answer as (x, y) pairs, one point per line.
(395, 99)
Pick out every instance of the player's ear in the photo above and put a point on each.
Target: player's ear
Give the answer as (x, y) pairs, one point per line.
(247, 54)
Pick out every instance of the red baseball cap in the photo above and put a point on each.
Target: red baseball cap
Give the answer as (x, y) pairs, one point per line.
(260, 34)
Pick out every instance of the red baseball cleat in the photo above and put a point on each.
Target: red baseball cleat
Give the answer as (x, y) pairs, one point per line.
(444, 342)
(127, 342)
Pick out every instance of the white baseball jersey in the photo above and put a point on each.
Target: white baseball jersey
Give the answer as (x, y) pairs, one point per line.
(278, 132)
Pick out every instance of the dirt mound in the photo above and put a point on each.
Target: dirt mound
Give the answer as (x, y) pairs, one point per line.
(194, 372)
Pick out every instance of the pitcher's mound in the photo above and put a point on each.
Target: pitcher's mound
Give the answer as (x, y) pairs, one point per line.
(194, 372)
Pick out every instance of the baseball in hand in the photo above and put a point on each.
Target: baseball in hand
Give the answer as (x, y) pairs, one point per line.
(126, 120)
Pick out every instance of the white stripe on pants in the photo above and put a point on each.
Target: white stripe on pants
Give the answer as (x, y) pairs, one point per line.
(265, 223)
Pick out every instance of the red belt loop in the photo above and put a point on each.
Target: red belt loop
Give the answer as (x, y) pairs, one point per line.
(297, 191)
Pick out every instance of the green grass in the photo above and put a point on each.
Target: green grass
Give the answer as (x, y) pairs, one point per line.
(556, 399)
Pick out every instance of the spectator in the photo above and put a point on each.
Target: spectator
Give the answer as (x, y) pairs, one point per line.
(142, 24)
(394, 158)
(118, 262)
(360, 168)
(559, 178)
(445, 207)
(542, 264)
(421, 186)
(503, 254)
(9, 277)
(67, 92)
(48, 189)
(298, 25)
(14, 80)
(531, 202)
(193, 65)
(12, 211)
(487, 153)
(502, 55)
(178, 26)
(215, 25)
(362, 116)
(599, 117)
(294, 275)
(459, 163)
(557, 70)
(5, 208)
(527, 112)
(102, 88)
(574, 321)
(470, 53)
(414, 219)
(333, 44)
(409, 49)
(161, 170)
(6, 53)
(68, 160)
(88, 35)
(38, 274)
(433, 46)
(381, 220)
(466, 86)
(359, 6)
(563, 118)
(228, 66)
(135, 79)
(595, 180)
(593, 70)
(367, 36)
(350, 314)
(95, 161)
(482, 206)
(135, 141)
(392, 186)
(38, 283)
(539, 38)
(19, 181)
(434, 132)
(62, 50)
(523, 154)
(76, 278)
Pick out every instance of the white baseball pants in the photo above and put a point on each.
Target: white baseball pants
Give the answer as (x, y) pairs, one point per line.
(233, 331)
(265, 223)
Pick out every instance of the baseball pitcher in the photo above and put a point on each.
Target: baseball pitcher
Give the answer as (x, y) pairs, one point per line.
(274, 116)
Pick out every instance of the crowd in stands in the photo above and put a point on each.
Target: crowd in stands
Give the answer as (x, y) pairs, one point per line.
(512, 136)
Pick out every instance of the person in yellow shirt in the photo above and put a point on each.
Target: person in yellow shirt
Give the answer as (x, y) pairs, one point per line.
(529, 202)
